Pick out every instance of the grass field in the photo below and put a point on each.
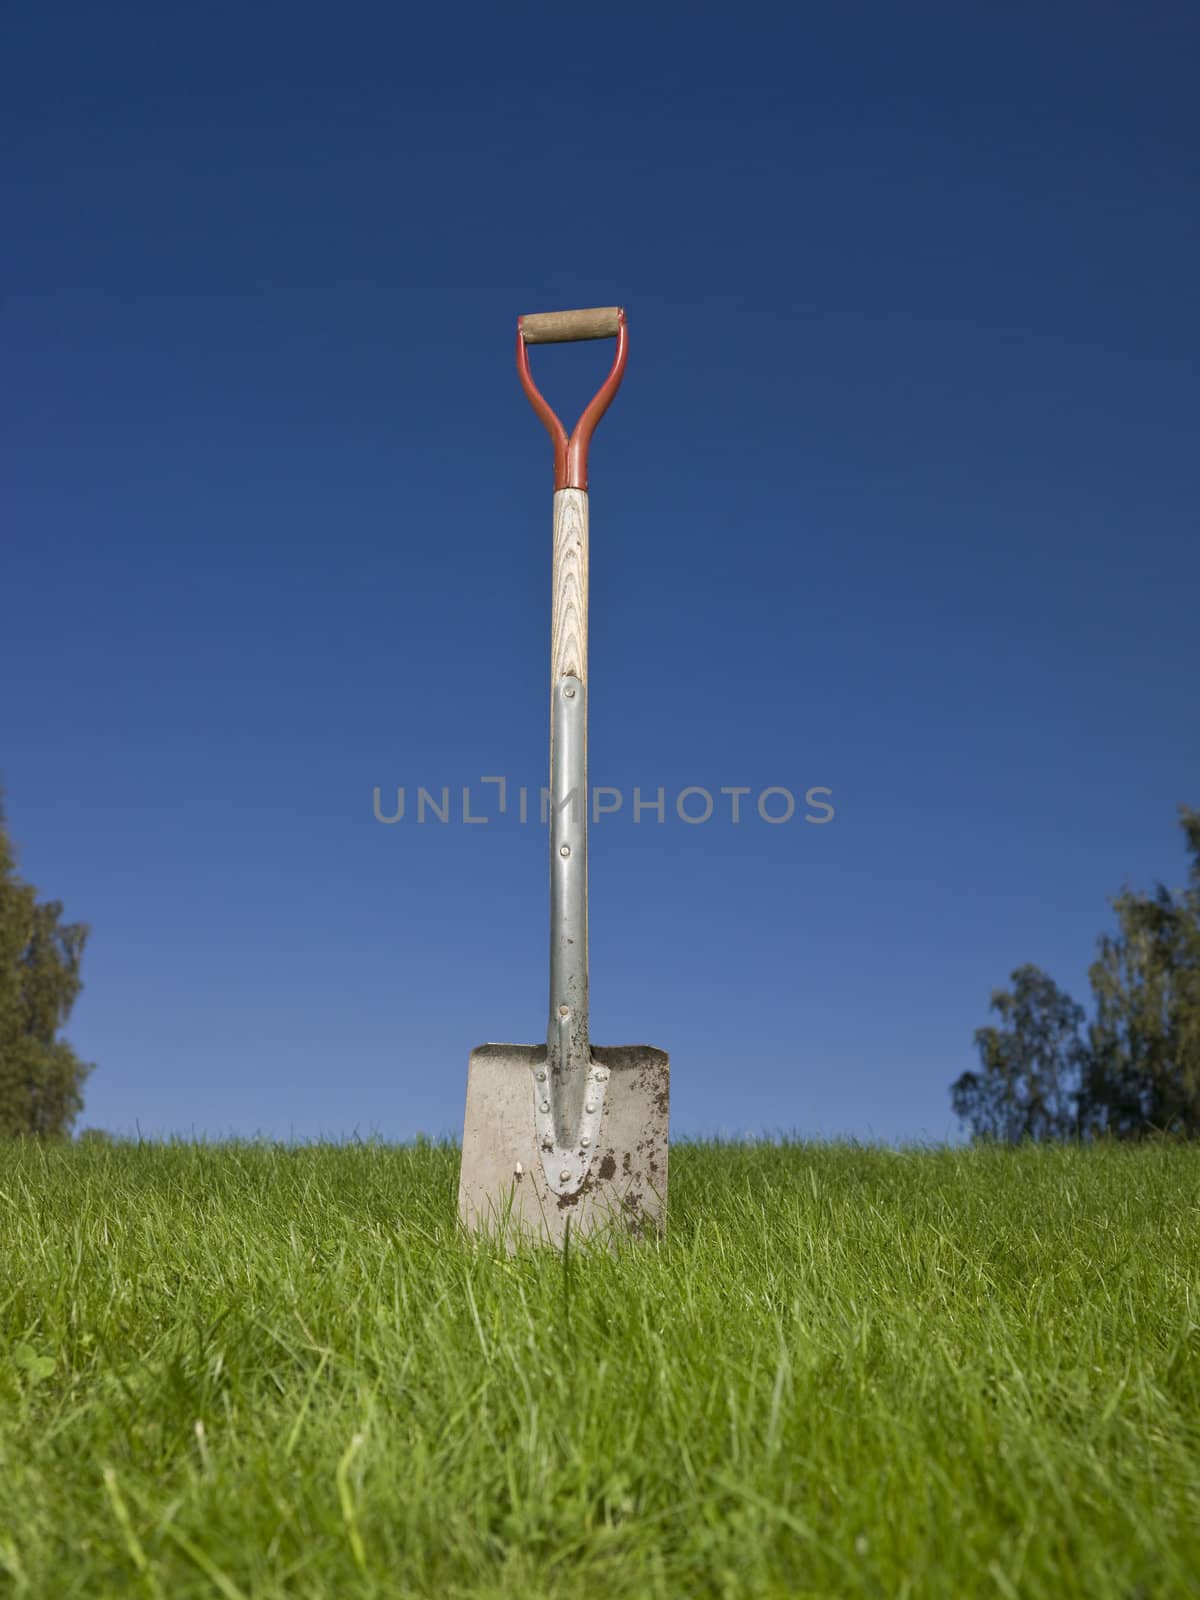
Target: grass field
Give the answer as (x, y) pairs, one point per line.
(247, 1370)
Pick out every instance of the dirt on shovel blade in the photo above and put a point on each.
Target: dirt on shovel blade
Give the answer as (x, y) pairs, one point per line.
(502, 1185)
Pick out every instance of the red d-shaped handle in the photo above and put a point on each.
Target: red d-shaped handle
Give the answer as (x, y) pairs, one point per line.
(556, 327)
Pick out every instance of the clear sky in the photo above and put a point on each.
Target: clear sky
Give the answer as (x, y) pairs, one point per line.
(898, 500)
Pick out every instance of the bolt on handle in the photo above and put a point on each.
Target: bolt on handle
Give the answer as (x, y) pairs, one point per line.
(558, 327)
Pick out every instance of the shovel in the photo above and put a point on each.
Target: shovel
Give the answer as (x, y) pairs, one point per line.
(567, 1139)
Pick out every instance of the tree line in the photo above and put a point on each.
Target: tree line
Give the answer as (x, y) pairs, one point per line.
(1133, 1070)
(1045, 1070)
(41, 1077)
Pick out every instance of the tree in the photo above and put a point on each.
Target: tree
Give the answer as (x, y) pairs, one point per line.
(1144, 1073)
(41, 1078)
(1033, 1065)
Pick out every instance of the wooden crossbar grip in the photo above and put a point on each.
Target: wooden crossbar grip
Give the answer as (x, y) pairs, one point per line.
(557, 327)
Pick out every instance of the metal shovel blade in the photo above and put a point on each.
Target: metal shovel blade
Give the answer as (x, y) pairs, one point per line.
(503, 1185)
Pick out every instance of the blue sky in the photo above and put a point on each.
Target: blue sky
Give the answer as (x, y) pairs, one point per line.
(898, 499)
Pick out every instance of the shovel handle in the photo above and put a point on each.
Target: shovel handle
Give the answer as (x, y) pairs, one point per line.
(557, 327)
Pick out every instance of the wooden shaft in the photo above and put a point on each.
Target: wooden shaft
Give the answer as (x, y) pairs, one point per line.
(557, 327)
(567, 1051)
(568, 617)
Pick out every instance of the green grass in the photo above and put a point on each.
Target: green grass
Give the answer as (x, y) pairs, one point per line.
(243, 1370)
